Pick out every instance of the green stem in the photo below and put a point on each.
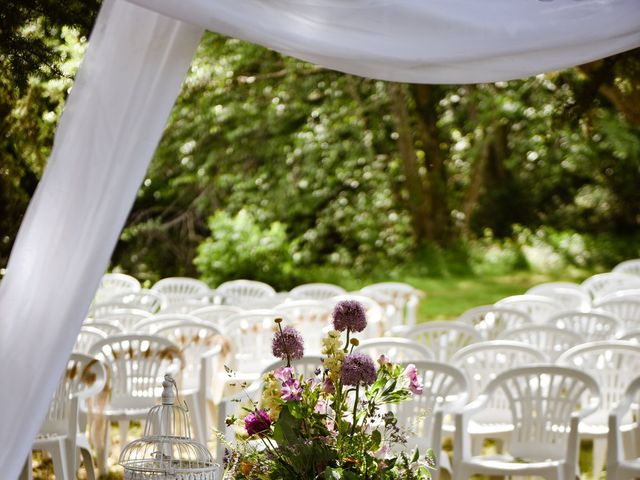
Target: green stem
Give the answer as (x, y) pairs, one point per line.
(346, 345)
(355, 411)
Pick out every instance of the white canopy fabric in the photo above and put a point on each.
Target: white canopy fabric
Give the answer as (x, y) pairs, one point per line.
(122, 97)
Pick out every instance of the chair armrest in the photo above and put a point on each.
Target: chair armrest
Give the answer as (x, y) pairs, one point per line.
(461, 438)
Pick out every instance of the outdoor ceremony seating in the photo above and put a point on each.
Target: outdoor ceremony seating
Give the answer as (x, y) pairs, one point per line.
(311, 317)
(112, 284)
(136, 365)
(201, 346)
(403, 298)
(316, 291)
(490, 320)
(601, 284)
(149, 300)
(539, 307)
(107, 326)
(156, 322)
(244, 293)
(100, 310)
(570, 297)
(547, 403)
(87, 336)
(548, 339)
(613, 364)
(59, 434)
(126, 319)
(590, 325)
(482, 362)
(398, 350)
(443, 338)
(619, 466)
(216, 315)
(178, 289)
(629, 267)
(625, 309)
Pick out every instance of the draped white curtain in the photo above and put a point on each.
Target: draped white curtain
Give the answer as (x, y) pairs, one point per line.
(128, 82)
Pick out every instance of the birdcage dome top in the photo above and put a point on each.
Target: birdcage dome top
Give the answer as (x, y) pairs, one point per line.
(166, 450)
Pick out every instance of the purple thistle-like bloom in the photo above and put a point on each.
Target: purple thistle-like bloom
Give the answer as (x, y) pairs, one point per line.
(257, 422)
(349, 314)
(288, 341)
(358, 368)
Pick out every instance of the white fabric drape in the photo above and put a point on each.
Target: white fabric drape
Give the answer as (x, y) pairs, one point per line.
(125, 89)
(425, 41)
(111, 125)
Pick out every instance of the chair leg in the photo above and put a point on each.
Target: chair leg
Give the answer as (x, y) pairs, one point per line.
(599, 451)
(88, 463)
(58, 455)
(102, 451)
(124, 431)
(27, 470)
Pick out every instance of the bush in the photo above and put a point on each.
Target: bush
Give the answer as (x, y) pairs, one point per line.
(240, 248)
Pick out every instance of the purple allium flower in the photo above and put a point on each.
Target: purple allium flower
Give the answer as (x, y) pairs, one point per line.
(283, 374)
(291, 390)
(358, 368)
(415, 385)
(257, 422)
(287, 342)
(349, 314)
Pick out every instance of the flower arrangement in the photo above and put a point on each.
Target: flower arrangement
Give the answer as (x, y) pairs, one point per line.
(333, 425)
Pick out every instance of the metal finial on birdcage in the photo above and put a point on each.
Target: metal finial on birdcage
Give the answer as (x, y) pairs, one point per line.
(166, 450)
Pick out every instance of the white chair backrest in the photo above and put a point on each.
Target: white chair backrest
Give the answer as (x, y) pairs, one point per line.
(547, 339)
(445, 389)
(614, 364)
(312, 318)
(601, 284)
(87, 336)
(490, 320)
(316, 291)
(137, 365)
(542, 399)
(443, 338)
(114, 283)
(376, 319)
(250, 333)
(398, 350)
(100, 310)
(84, 376)
(627, 310)
(483, 361)
(144, 299)
(631, 336)
(629, 267)
(177, 289)
(126, 319)
(590, 325)
(404, 298)
(194, 340)
(538, 307)
(244, 293)
(542, 288)
(155, 322)
(569, 298)
(627, 294)
(216, 315)
(108, 327)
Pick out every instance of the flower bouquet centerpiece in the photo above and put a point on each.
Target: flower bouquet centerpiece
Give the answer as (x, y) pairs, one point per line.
(337, 424)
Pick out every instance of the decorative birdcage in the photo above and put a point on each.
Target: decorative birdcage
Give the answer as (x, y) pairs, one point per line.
(166, 450)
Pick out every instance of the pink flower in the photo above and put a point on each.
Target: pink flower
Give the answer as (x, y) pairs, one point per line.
(415, 385)
(291, 390)
(283, 374)
(383, 360)
(321, 407)
(328, 387)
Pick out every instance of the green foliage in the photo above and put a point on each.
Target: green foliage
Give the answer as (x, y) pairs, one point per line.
(239, 248)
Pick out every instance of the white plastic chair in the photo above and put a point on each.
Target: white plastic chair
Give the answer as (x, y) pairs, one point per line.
(443, 338)
(126, 319)
(59, 434)
(244, 293)
(490, 320)
(149, 300)
(601, 284)
(613, 364)
(569, 295)
(156, 322)
(312, 318)
(109, 328)
(316, 291)
(216, 315)
(627, 310)
(445, 391)
(591, 325)
(114, 283)
(178, 289)
(629, 267)
(482, 362)
(87, 336)
(100, 310)
(538, 307)
(404, 298)
(544, 402)
(398, 350)
(201, 346)
(376, 318)
(631, 336)
(619, 467)
(136, 365)
(549, 340)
